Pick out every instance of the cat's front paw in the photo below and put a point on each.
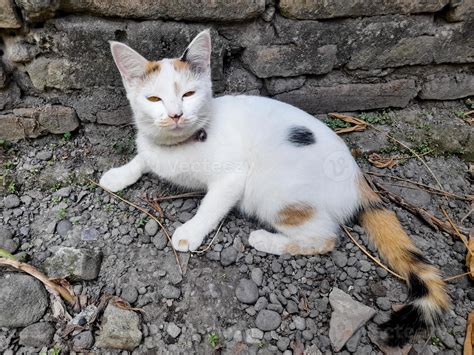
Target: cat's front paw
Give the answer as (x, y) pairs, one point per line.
(113, 180)
(185, 238)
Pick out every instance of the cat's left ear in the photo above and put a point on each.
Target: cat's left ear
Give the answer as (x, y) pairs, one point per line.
(198, 53)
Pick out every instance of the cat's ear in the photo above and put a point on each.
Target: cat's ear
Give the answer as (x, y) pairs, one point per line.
(198, 53)
(130, 63)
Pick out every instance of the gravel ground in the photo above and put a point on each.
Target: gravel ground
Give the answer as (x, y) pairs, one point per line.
(231, 298)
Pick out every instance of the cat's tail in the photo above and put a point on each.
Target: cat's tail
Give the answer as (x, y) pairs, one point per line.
(428, 299)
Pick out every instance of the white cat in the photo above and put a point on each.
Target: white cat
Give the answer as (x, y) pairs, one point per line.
(269, 159)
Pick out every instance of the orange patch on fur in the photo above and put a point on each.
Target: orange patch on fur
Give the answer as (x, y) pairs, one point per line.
(295, 214)
(180, 65)
(152, 67)
(183, 243)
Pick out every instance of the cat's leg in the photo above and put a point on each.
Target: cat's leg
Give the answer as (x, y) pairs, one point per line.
(300, 231)
(278, 243)
(219, 200)
(119, 178)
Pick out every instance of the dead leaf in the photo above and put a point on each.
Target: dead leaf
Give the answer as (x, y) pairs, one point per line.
(65, 292)
(58, 309)
(358, 124)
(469, 341)
(469, 117)
(380, 162)
(122, 304)
(469, 257)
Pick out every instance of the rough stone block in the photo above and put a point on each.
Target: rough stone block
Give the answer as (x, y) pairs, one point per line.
(38, 10)
(34, 122)
(408, 51)
(460, 10)
(13, 127)
(8, 16)
(279, 85)
(57, 119)
(95, 66)
(289, 60)
(3, 77)
(52, 73)
(189, 10)
(122, 115)
(322, 9)
(447, 87)
(347, 97)
(238, 80)
(119, 329)
(76, 264)
(9, 97)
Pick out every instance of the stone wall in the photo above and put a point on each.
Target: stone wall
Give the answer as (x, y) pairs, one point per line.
(321, 55)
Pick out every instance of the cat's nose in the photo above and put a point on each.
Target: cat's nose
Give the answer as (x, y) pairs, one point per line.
(175, 116)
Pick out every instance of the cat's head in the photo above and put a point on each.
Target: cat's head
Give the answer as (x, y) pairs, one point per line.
(170, 97)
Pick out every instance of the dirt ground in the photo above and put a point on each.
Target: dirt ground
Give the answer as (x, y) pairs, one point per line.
(198, 312)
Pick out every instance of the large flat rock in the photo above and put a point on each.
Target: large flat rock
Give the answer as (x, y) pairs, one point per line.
(323, 9)
(347, 97)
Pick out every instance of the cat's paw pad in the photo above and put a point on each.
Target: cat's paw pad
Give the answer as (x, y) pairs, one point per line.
(185, 239)
(113, 180)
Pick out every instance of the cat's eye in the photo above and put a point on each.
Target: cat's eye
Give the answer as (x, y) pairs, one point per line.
(153, 98)
(189, 93)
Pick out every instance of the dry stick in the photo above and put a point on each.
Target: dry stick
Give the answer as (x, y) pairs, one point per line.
(175, 197)
(433, 221)
(457, 276)
(149, 215)
(377, 261)
(456, 230)
(212, 240)
(427, 187)
(54, 288)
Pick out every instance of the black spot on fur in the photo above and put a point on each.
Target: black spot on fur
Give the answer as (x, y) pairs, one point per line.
(417, 287)
(403, 324)
(301, 136)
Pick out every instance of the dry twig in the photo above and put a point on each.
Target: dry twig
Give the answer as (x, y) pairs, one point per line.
(212, 240)
(431, 220)
(358, 124)
(456, 231)
(424, 187)
(175, 197)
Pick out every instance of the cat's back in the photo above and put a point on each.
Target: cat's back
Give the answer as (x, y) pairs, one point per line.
(262, 118)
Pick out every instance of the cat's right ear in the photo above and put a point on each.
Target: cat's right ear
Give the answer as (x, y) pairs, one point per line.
(129, 62)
